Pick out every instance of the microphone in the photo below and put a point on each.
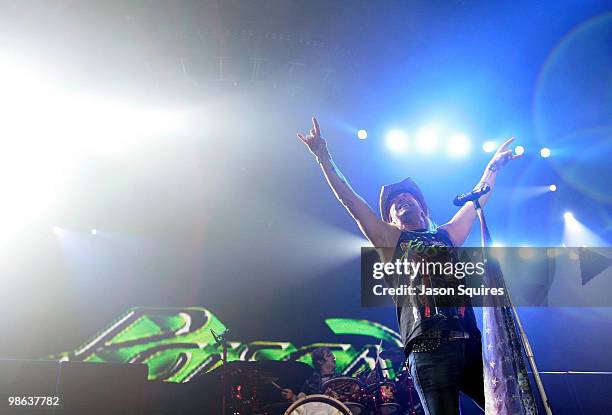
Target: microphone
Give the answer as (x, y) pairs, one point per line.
(461, 200)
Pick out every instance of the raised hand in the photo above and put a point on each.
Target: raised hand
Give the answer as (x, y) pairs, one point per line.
(503, 155)
(315, 143)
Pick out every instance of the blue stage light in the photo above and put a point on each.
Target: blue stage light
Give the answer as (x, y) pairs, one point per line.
(576, 233)
(362, 134)
(427, 139)
(458, 145)
(397, 141)
(518, 150)
(489, 146)
(552, 187)
(545, 152)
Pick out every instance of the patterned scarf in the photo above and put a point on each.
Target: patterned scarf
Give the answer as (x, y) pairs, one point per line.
(506, 384)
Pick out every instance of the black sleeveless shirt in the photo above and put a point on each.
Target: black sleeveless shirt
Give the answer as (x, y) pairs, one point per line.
(420, 316)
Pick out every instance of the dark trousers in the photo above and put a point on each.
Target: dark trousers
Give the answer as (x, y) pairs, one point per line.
(441, 374)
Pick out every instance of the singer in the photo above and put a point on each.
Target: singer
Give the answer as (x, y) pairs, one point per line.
(442, 344)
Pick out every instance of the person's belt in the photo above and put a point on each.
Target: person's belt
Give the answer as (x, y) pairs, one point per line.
(455, 335)
(449, 335)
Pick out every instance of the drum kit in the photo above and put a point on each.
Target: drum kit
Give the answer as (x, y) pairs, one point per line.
(368, 393)
(378, 398)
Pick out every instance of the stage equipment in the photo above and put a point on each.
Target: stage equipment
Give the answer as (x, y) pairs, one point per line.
(221, 339)
(475, 194)
(502, 326)
(349, 391)
(318, 405)
(251, 387)
(382, 396)
(373, 393)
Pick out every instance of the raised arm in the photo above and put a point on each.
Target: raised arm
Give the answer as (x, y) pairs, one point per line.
(378, 232)
(460, 225)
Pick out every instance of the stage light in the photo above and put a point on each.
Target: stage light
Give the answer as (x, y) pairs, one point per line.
(397, 141)
(498, 250)
(427, 139)
(49, 130)
(489, 146)
(458, 145)
(518, 150)
(362, 134)
(545, 152)
(551, 252)
(526, 252)
(576, 233)
(552, 187)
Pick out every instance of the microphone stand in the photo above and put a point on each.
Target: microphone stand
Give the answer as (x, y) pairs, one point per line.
(485, 242)
(221, 339)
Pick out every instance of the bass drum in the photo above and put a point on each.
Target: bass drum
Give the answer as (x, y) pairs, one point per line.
(318, 405)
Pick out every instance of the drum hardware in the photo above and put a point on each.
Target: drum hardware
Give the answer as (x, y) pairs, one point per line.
(404, 380)
(371, 392)
(221, 339)
(318, 405)
(349, 391)
(247, 391)
(241, 384)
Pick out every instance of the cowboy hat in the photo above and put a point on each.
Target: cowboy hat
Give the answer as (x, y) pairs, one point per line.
(388, 192)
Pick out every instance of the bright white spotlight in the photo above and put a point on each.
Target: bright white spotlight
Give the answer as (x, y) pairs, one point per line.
(362, 134)
(545, 152)
(518, 150)
(94, 232)
(489, 146)
(568, 216)
(427, 139)
(552, 187)
(458, 145)
(397, 141)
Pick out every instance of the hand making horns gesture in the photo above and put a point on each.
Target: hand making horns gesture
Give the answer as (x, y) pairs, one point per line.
(315, 143)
